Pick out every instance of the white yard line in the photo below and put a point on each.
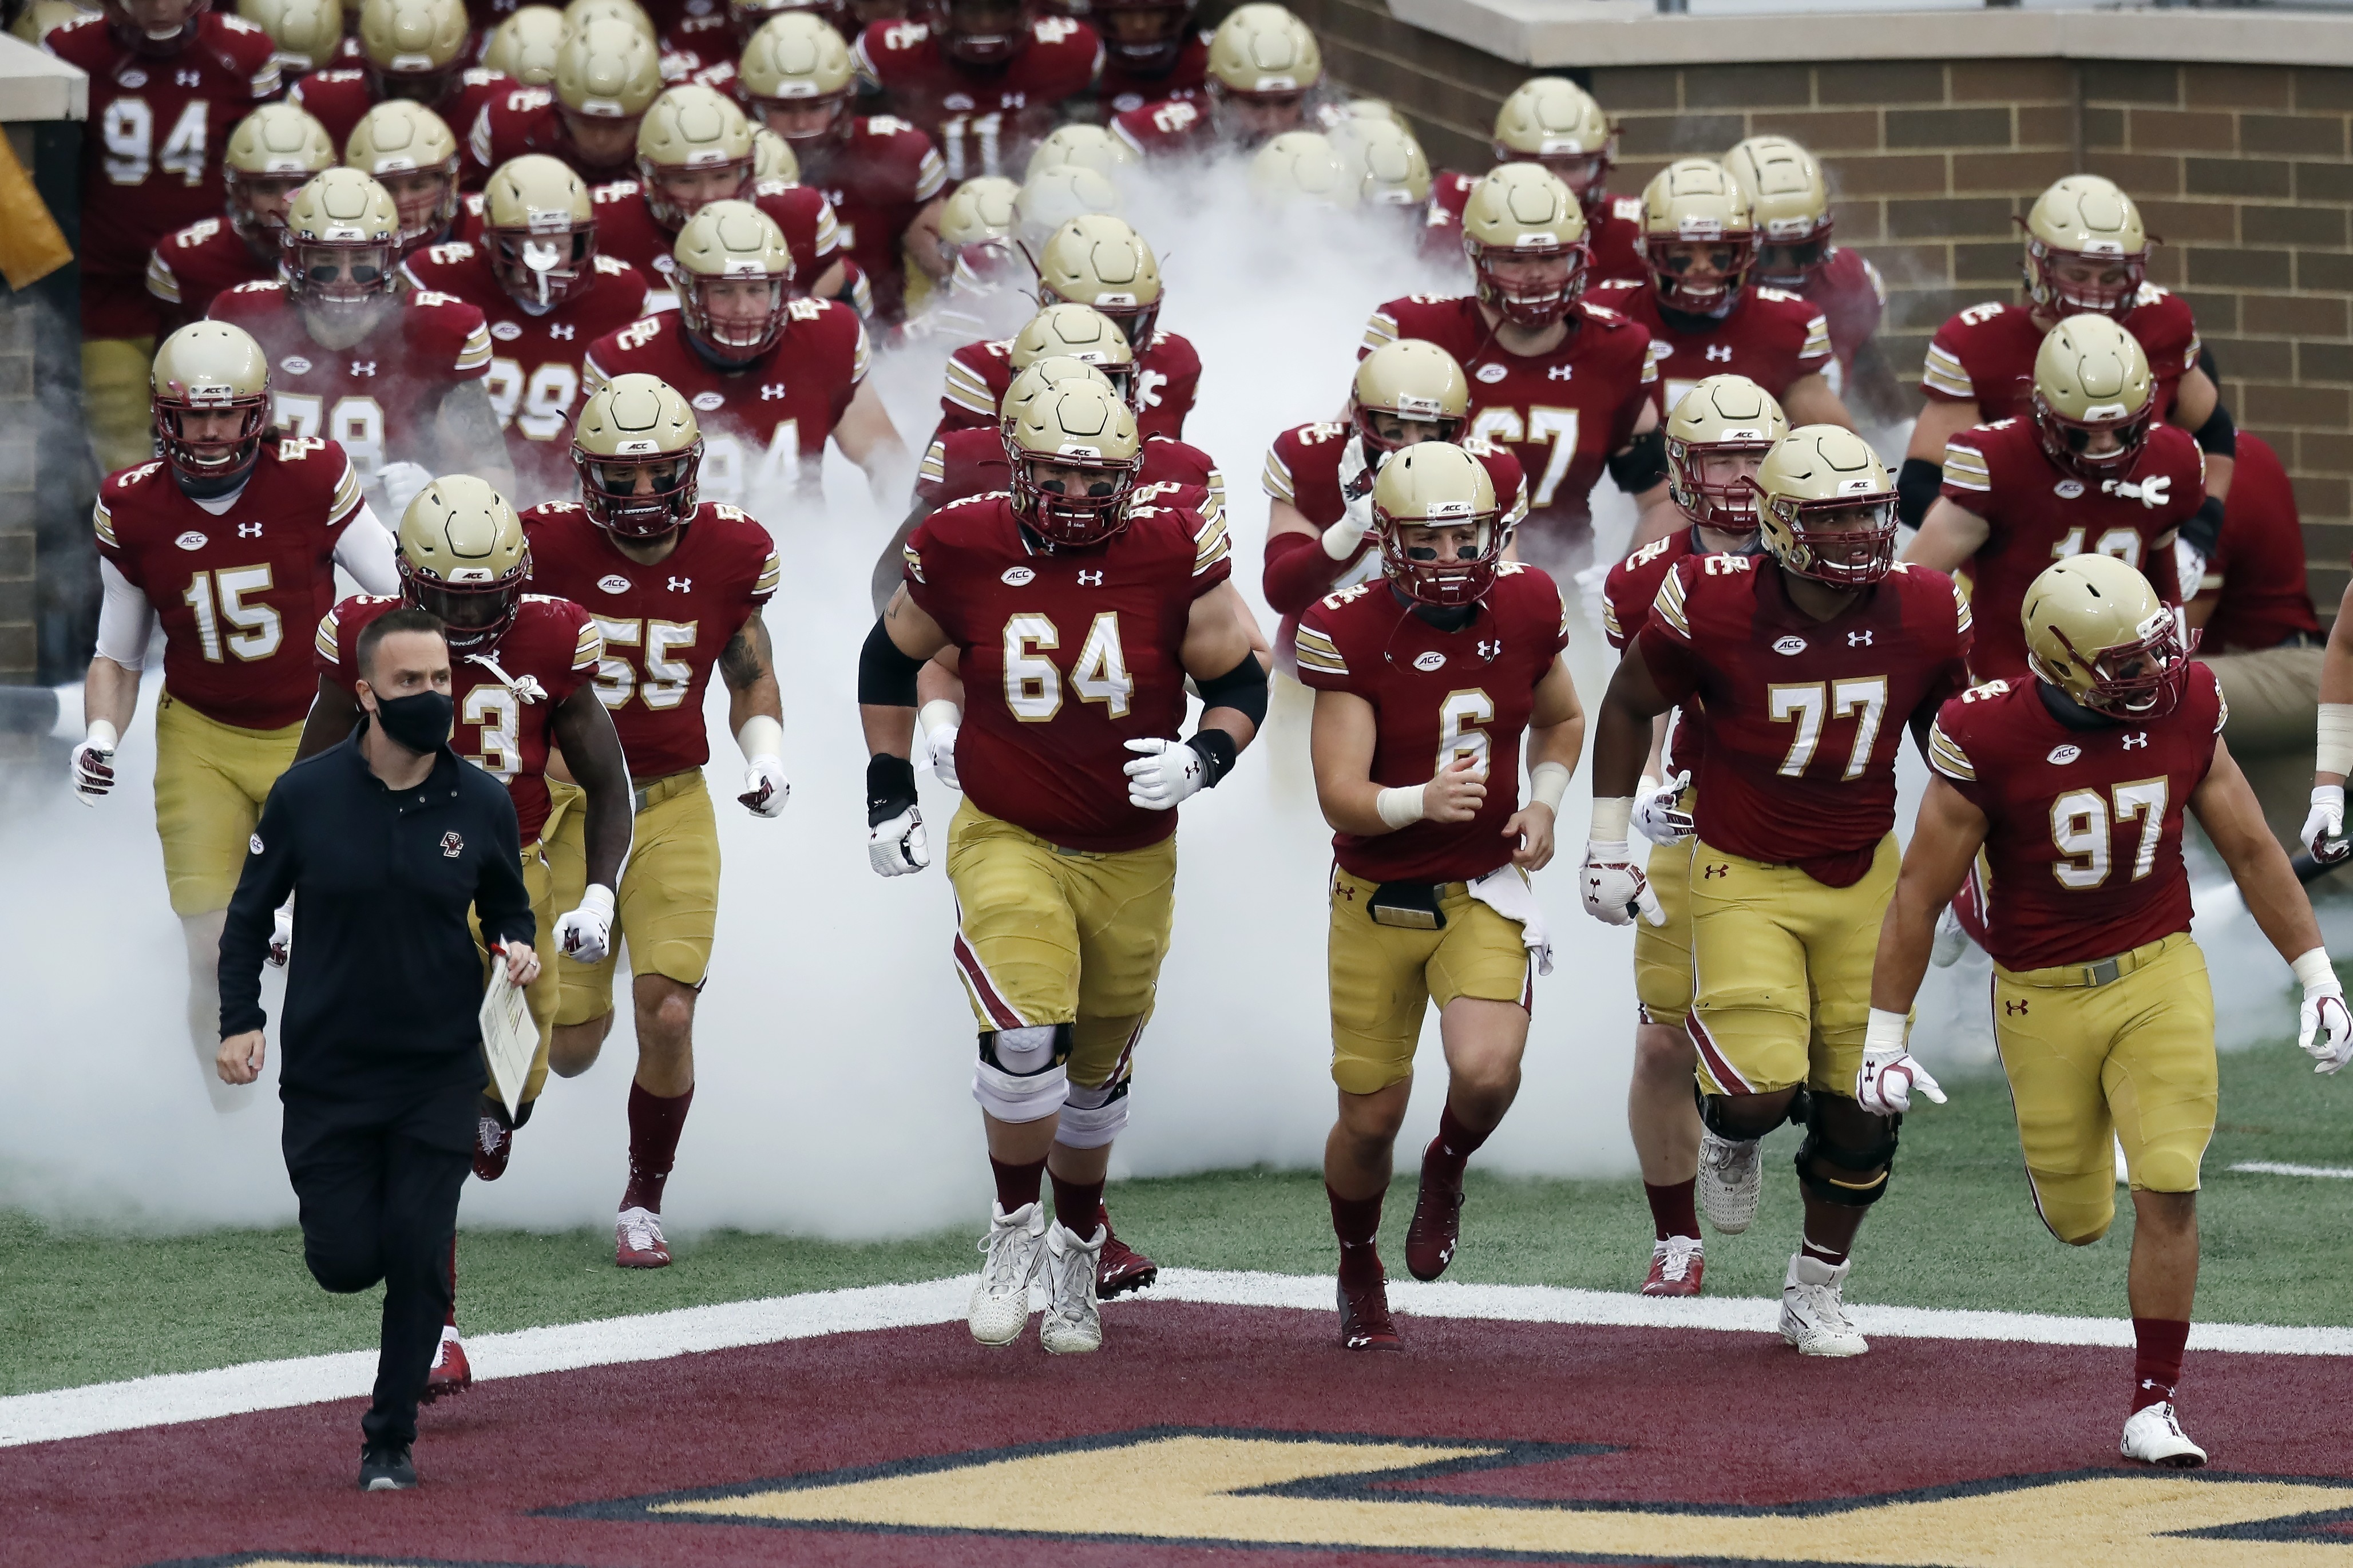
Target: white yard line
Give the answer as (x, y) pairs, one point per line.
(2273, 1168)
(275, 1385)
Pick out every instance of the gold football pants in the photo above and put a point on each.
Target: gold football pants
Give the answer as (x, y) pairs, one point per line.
(211, 780)
(665, 909)
(1662, 954)
(1384, 978)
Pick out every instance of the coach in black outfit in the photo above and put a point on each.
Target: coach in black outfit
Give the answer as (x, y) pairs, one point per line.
(385, 839)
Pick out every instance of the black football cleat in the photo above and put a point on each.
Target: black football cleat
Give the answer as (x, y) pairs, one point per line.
(387, 1467)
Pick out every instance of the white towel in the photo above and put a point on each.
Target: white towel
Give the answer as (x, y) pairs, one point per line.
(1506, 890)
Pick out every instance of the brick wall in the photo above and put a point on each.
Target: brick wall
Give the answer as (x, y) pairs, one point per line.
(2244, 171)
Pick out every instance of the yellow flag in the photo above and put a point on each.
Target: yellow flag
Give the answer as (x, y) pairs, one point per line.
(31, 245)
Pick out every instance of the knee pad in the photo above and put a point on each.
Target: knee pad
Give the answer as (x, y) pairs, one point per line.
(1094, 1118)
(1864, 1172)
(1023, 1074)
(1716, 1114)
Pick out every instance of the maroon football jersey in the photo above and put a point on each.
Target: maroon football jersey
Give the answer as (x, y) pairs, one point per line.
(1627, 595)
(765, 426)
(1804, 717)
(506, 694)
(1303, 464)
(627, 230)
(663, 626)
(1852, 296)
(2257, 569)
(340, 99)
(973, 463)
(377, 398)
(1613, 228)
(695, 48)
(1166, 128)
(1560, 414)
(235, 590)
(1772, 337)
(519, 120)
(878, 176)
(151, 157)
(535, 381)
(1438, 695)
(985, 118)
(2083, 819)
(190, 266)
(1168, 375)
(1986, 354)
(1119, 88)
(1067, 656)
(2038, 512)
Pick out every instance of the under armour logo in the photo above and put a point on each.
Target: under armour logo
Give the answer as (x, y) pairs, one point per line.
(772, 391)
(1719, 353)
(2136, 741)
(1493, 650)
(1345, 892)
(248, 530)
(681, 585)
(363, 367)
(561, 330)
(187, 77)
(1858, 638)
(1715, 870)
(1090, 580)
(1560, 372)
(2013, 1008)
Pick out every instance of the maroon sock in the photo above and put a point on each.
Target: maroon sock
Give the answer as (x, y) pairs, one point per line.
(1357, 1222)
(1452, 1149)
(1833, 1255)
(1672, 1213)
(2156, 1358)
(655, 1122)
(1075, 1203)
(1018, 1184)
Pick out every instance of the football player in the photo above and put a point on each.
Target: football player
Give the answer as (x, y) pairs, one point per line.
(407, 148)
(1063, 859)
(272, 153)
(1151, 53)
(984, 78)
(677, 585)
(606, 77)
(306, 34)
(2086, 254)
(2074, 779)
(412, 49)
(774, 374)
(884, 177)
(1811, 660)
(524, 46)
(415, 406)
(1790, 203)
(1564, 384)
(1717, 436)
(1385, 164)
(168, 81)
(1551, 120)
(1260, 75)
(2089, 468)
(539, 277)
(231, 540)
(694, 147)
(1418, 775)
(986, 294)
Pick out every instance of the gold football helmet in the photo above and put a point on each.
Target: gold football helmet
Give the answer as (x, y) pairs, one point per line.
(607, 70)
(341, 245)
(306, 33)
(1525, 234)
(798, 76)
(1437, 485)
(1718, 435)
(539, 227)
(1789, 203)
(579, 15)
(1080, 333)
(272, 153)
(731, 256)
(1075, 454)
(2092, 384)
(1084, 146)
(1825, 509)
(1100, 261)
(1263, 52)
(693, 146)
(2096, 629)
(1412, 380)
(1303, 169)
(1051, 197)
(2086, 249)
(749, 15)
(409, 151)
(773, 157)
(1550, 120)
(1698, 236)
(464, 558)
(1039, 374)
(206, 368)
(638, 453)
(977, 228)
(525, 45)
(1388, 164)
(414, 48)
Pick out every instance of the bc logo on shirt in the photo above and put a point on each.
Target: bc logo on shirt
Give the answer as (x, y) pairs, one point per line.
(452, 845)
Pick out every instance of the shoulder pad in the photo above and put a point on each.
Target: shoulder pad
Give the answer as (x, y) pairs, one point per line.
(344, 74)
(1348, 594)
(453, 250)
(524, 97)
(1054, 29)
(904, 34)
(612, 265)
(1628, 208)
(1432, 299)
(132, 476)
(887, 125)
(1508, 568)
(1601, 314)
(196, 233)
(1650, 552)
(2149, 294)
(1475, 444)
(479, 75)
(294, 448)
(552, 508)
(806, 309)
(258, 286)
(618, 190)
(642, 331)
(1984, 692)
(2002, 424)
(1767, 291)
(727, 513)
(434, 296)
(236, 24)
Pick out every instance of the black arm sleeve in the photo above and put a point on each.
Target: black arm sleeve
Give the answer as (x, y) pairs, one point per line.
(886, 676)
(1242, 688)
(889, 786)
(2205, 528)
(1641, 464)
(1917, 485)
(271, 864)
(2219, 436)
(502, 902)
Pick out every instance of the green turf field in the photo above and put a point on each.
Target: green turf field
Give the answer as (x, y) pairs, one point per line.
(1957, 1230)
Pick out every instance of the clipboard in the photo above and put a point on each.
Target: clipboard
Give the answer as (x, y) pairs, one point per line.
(509, 1039)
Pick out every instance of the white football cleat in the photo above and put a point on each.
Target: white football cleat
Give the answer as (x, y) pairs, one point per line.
(1014, 1247)
(1813, 1315)
(1731, 1179)
(2154, 1436)
(1072, 1325)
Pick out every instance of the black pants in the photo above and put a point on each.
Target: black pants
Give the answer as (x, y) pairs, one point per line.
(378, 1182)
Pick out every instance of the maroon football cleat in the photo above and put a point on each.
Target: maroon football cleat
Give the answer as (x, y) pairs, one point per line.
(1365, 1321)
(1676, 1265)
(493, 1143)
(1121, 1268)
(450, 1374)
(1437, 1224)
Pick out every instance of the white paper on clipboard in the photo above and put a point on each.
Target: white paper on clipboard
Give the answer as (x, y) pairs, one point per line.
(509, 1039)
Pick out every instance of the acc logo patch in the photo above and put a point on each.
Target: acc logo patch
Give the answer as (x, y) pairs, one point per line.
(614, 584)
(2063, 754)
(1790, 645)
(1432, 659)
(1490, 374)
(505, 332)
(2068, 489)
(707, 401)
(295, 365)
(1018, 576)
(191, 540)
(133, 78)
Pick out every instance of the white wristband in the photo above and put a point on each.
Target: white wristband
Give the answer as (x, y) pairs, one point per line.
(599, 898)
(1401, 808)
(2312, 968)
(1883, 1030)
(1610, 819)
(103, 735)
(1547, 782)
(1343, 538)
(939, 713)
(761, 737)
(2334, 753)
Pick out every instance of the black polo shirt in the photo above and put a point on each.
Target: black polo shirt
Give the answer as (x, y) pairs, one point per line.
(385, 987)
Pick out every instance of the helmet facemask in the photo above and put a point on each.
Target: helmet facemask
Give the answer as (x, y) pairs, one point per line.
(1714, 483)
(1786, 260)
(1683, 285)
(1082, 501)
(542, 265)
(2142, 679)
(1422, 411)
(474, 613)
(215, 460)
(640, 495)
(1420, 570)
(735, 334)
(718, 180)
(2085, 282)
(338, 276)
(1524, 301)
(1145, 37)
(750, 16)
(261, 226)
(981, 32)
(795, 119)
(1843, 541)
(2067, 441)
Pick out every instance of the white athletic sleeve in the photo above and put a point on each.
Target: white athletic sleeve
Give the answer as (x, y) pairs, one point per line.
(364, 550)
(125, 618)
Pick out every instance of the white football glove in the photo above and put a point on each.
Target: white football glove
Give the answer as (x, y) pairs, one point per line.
(1615, 888)
(281, 936)
(1884, 1083)
(1657, 817)
(586, 935)
(403, 483)
(940, 719)
(765, 787)
(2323, 1026)
(898, 847)
(2323, 829)
(92, 766)
(1165, 772)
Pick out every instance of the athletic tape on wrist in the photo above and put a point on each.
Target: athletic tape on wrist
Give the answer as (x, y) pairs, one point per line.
(1884, 1031)
(1547, 782)
(1402, 807)
(1611, 819)
(105, 738)
(2333, 755)
(939, 713)
(2314, 969)
(761, 737)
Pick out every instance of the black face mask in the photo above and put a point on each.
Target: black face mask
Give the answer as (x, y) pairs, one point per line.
(419, 722)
